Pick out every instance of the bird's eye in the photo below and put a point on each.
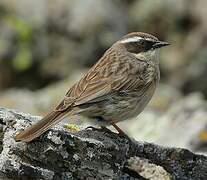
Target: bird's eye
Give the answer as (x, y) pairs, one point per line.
(147, 45)
(142, 43)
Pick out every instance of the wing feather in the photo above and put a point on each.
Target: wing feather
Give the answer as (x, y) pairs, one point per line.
(106, 77)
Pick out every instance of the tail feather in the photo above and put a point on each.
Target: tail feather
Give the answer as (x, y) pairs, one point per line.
(40, 127)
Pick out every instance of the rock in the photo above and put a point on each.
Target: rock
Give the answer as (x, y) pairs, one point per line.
(146, 169)
(90, 154)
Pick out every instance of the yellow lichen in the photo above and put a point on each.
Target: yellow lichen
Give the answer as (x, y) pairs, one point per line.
(203, 136)
(72, 127)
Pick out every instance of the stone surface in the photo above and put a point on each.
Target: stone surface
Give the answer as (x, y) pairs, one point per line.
(90, 154)
(146, 169)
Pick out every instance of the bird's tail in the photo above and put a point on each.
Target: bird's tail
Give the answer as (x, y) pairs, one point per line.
(40, 127)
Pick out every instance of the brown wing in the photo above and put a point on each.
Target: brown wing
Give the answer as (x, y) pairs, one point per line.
(111, 73)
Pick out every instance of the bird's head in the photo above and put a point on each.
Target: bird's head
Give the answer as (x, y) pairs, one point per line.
(142, 45)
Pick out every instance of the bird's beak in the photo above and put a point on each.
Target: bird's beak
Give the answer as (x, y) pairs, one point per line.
(160, 44)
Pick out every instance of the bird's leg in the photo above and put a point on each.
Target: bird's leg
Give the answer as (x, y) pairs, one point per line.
(118, 129)
(121, 132)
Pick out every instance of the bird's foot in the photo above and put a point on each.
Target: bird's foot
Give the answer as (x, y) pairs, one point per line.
(101, 129)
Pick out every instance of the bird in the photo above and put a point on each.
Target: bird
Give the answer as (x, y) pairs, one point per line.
(116, 88)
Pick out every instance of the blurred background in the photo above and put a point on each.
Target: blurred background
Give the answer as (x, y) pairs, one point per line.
(46, 45)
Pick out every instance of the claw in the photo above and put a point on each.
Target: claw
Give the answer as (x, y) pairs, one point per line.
(102, 129)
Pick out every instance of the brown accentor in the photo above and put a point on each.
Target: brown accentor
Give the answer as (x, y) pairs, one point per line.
(116, 88)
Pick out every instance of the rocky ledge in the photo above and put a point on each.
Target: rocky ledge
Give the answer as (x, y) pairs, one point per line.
(89, 154)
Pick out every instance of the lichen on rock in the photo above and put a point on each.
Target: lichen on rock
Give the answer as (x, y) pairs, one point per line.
(89, 154)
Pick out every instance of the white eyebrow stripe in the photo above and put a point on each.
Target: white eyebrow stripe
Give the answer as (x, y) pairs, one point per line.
(149, 39)
(133, 39)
